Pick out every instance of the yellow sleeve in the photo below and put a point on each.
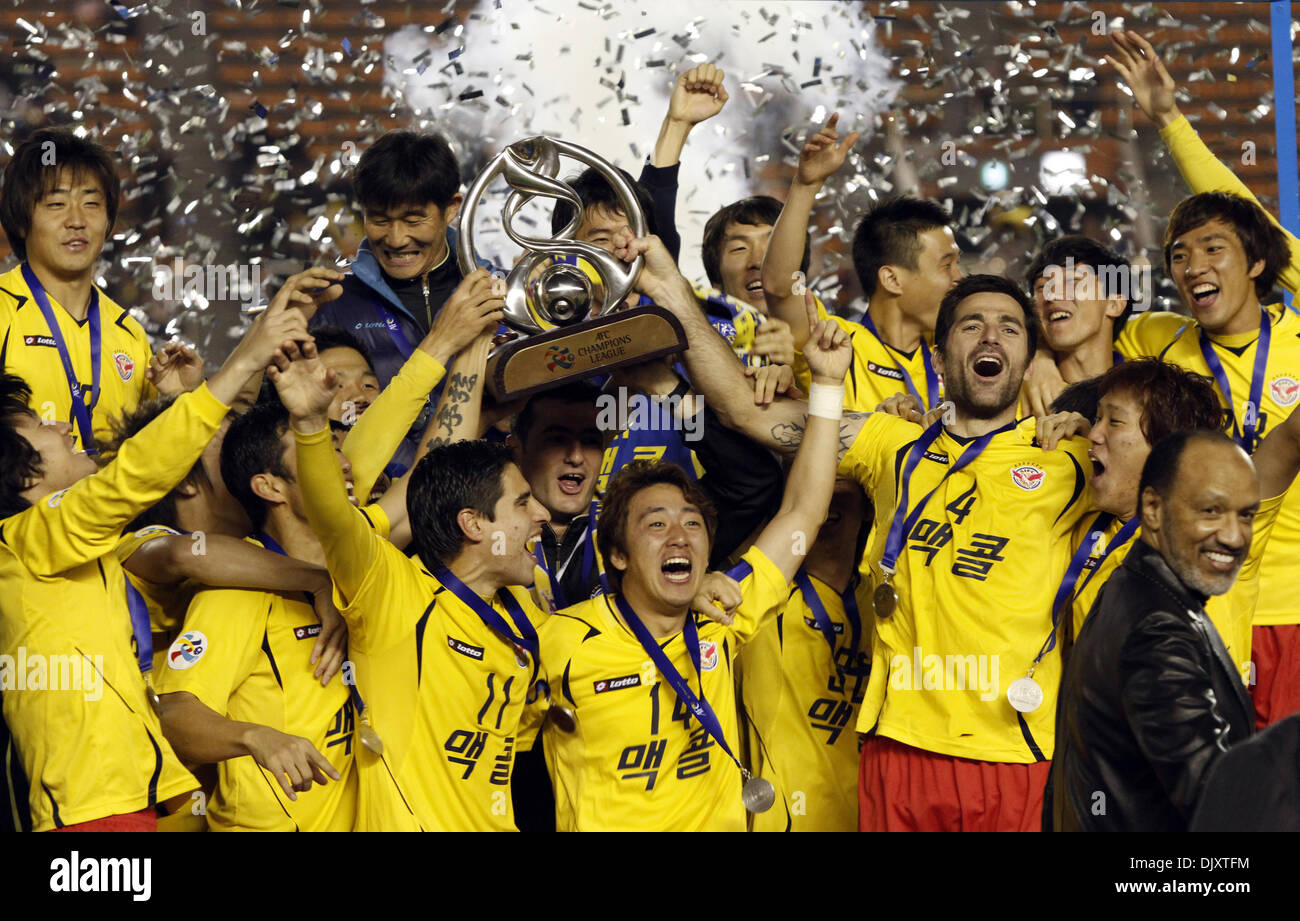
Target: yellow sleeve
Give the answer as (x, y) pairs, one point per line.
(232, 623)
(85, 521)
(1147, 335)
(345, 533)
(1204, 172)
(763, 592)
(881, 434)
(379, 431)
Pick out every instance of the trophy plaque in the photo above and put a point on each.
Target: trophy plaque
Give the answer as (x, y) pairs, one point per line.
(563, 296)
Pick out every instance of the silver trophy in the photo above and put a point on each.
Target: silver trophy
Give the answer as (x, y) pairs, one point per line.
(563, 296)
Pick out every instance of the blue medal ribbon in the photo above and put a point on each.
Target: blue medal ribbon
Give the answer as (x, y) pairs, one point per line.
(394, 330)
(588, 563)
(698, 705)
(526, 638)
(931, 377)
(823, 621)
(79, 410)
(901, 526)
(140, 626)
(1243, 434)
(1065, 593)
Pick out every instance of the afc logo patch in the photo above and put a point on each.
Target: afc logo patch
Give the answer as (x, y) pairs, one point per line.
(708, 655)
(125, 366)
(1284, 390)
(187, 650)
(1027, 476)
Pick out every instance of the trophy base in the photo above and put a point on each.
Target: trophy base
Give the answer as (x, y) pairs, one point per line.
(527, 366)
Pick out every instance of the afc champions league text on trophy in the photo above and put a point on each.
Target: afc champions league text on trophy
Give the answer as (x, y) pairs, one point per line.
(563, 296)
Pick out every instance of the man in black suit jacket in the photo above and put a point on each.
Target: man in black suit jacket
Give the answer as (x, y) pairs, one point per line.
(1150, 699)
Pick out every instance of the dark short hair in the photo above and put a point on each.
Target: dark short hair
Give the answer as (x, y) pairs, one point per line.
(1260, 237)
(129, 424)
(611, 534)
(20, 463)
(465, 474)
(405, 168)
(1104, 262)
(1160, 472)
(1173, 399)
(1079, 397)
(336, 337)
(594, 190)
(890, 234)
(756, 211)
(29, 176)
(978, 284)
(253, 445)
(580, 391)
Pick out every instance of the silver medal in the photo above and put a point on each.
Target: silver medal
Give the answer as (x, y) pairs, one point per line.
(366, 733)
(758, 794)
(1025, 695)
(154, 702)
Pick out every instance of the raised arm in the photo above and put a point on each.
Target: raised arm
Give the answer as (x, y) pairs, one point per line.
(821, 156)
(1153, 88)
(697, 96)
(789, 536)
(306, 387)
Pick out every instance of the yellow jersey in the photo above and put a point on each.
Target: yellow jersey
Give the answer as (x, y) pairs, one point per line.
(247, 655)
(976, 578)
(167, 604)
(1231, 613)
(1176, 339)
(379, 431)
(878, 371)
(801, 708)
(73, 696)
(28, 350)
(638, 760)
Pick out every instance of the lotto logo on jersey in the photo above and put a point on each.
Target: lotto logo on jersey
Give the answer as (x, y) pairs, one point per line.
(1027, 476)
(708, 655)
(1284, 390)
(306, 633)
(883, 371)
(465, 649)
(187, 650)
(46, 341)
(617, 684)
(125, 366)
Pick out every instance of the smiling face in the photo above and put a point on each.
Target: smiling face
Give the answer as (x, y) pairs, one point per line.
(938, 268)
(68, 226)
(516, 521)
(668, 548)
(740, 262)
(1119, 450)
(411, 240)
(561, 456)
(1204, 527)
(1071, 309)
(61, 464)
(1209, 266)
(985, 354)
(355, 382)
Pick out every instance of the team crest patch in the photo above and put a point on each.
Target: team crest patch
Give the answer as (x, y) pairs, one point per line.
(708, 655)
(187, 650)
(1027, 476)
(1284, 390)
(125, 366)
(306, 633)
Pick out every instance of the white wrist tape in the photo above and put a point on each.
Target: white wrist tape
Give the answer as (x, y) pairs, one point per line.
(826, 400)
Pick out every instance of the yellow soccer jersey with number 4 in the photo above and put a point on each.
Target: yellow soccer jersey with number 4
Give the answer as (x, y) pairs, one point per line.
(247, 656)
(975, 579)
(638, 759)
(801, 711)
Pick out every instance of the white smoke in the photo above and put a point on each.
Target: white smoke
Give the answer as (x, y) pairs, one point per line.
(600, 75)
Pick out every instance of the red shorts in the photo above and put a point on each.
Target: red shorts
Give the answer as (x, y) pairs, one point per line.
(902, 788)
(144, 820)
(1275, 653)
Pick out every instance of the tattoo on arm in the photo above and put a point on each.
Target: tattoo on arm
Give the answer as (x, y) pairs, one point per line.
(460, 387)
